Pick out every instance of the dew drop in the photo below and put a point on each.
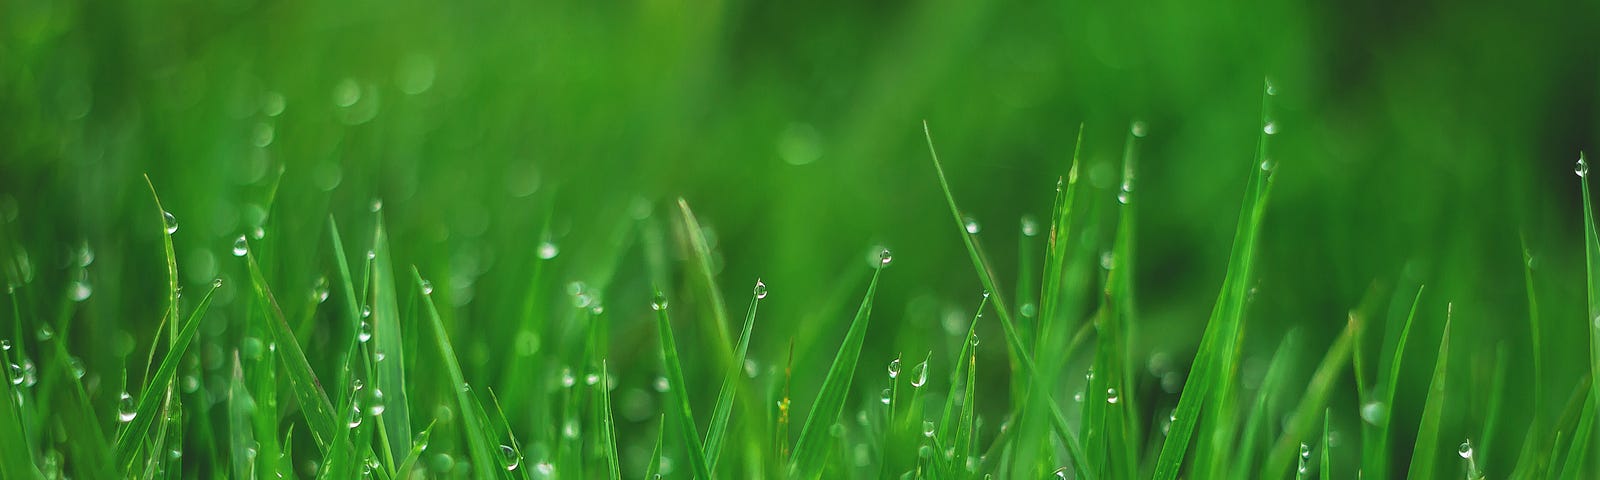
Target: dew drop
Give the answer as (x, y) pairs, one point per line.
(371, 254)
(659, 302)
(365, 332)
(567, 380)
(319, 290)
(927, 428)
(366, 311)
(1061, 473)
(1305, 450)
(1270, 128)
(591, 379)
(570, 428)
(5, 345)
(170, 221)
(546, 469)
(761, 289)
(125, 408)
(1112, 397)
(547, 250)
(355, 415)
(257, 232)
(80, 290)
(17, 375)
(427, 287)
(509, 458)
(1030, 226)
(375, 404)
(894, 368)
(1138, 129)
(1028, 309)
(240, 247)
(884, 257)
(1465, 450)
(76, 364)
(216, 282)
(887, 397)
(1582, 168)
(919, 374)
(1108, 260)
(971, 225)
(376, 205)
(1372, 412)
(662, 385)
(46, 332)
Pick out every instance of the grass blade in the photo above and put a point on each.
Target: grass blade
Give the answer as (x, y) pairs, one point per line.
(680, 412)
(1375, 458)
(724, 407)
(1427, 448)
(1314, 401)
(655, 453)
(608, 428)
(386, 339)
(477, 444)
(812, 447)
(150, 400)
(317, 409)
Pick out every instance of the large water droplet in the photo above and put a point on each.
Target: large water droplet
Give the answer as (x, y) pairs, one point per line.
(1582, 168)
(80, 290)
(171, 222)
(927, 428)
(887, 396)
(1138, 129)
(548, 250)
(662, 385)
(354, 419)
(1372, 412)
(1305, 450)
(509, 458)
(17, 375)
(884, 257)
(919, 374)
(375, 405)
(1112, 397)
(125, 408)
(427, 287)
(1465, 450)
(971, 225)
(1030, 226)
(1270, 128)
(241, 246)
(894, 368)
(659, 302)
(364, 332)
(761, 289)
(567, 380)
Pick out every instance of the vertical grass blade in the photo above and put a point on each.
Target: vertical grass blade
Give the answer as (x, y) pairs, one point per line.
(720, 414)
(317, 409)
(387, 339)
(1218, 345)
(701, 250)
(654, 467)
(1327, 462)
(608, 428)
(679, 410)
(1423, 456)
(811, 449)
(1312, 404)
(1375, 454)
(477, 443)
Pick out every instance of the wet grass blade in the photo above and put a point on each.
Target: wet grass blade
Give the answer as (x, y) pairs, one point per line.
(811, 449)
(724, 407)
(701, 250)
(477, 444)
(679, 410)
(1327, 444)
(150, 400)
(1313, 404)
(1271, 384)
(390, 375)
(1423, 456)
(314, 403)
(608, 428)
(1376, 457)
(1013, 340)
(1218, 351)
(655, 454)
(1578, 454)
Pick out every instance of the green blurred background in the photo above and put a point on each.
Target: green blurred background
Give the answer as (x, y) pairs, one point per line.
(1415, 142)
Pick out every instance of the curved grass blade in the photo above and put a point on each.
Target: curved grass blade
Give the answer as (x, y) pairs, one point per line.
(655, 454)
(1375, 454)
(386, 337)
(477, 447)
(716, 433)
(150, 400)
(1013, 340)
(701, 250)
(1578, 455)
(1427, 447)
(811, 449)
(317, 409)
(681, 415)
(1256, 423)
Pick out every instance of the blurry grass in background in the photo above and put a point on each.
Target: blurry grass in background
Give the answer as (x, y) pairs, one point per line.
(527, 158)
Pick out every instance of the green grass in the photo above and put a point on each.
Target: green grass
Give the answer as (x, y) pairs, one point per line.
(298, 363)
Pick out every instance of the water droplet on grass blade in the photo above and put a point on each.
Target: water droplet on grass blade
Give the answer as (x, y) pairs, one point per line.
(884, 257)
(17, 375)
(1582, 168)
(125, 408)
(1305, 450)
(216, 282)
(365, 332)
(509, 458)
(1372, 412)
(927, 428)
(171, 222)
(894, 368)
(971, 225)
(375, 404)
(1030, 226)
(354, 419)
(240, 247)
(427, 287)
(761, 289)
(662, 385)
(80, 290)
(319, 290)
(659, 302)
(46, 332)
(567, 380)
(919, 374)
(76, 364)
(1138, 129)
(548, 250)
(1465, 450)
(1270, 128)
(887, 397)
(1112, 397)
